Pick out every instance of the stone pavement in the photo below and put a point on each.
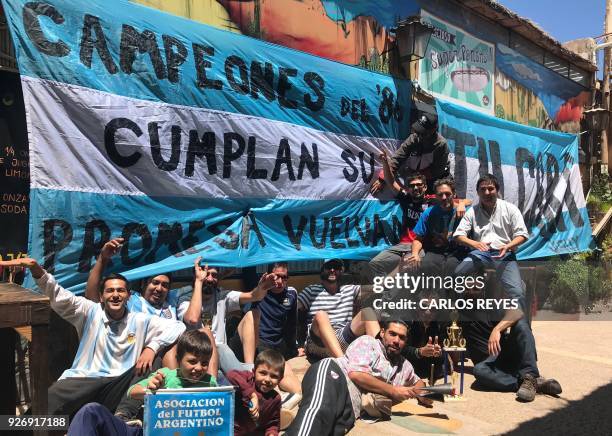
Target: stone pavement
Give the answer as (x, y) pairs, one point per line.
(577, 353)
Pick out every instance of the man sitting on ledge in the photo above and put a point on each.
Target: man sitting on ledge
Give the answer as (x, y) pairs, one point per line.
(111, 339)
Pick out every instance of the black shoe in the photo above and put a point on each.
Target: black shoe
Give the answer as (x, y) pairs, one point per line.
(527, 391)
(548, 386)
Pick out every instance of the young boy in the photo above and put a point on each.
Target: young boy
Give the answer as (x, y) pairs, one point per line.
(258, 405)
(194, 350)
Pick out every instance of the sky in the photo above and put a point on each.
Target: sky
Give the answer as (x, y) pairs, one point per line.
(564, 20)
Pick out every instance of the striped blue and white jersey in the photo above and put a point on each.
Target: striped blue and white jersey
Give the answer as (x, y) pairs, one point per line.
(107, 347)
(137, 303)
(338, 306)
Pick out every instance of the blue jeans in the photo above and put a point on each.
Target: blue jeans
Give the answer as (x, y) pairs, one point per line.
(506, 268)
(517, 358)
(228, 360)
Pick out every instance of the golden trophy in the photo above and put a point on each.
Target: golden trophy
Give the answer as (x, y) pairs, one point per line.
(454, 343)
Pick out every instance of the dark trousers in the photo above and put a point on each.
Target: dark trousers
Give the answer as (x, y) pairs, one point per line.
(129, 407)
(516, 359)
(95, 419)
(326, 407)
(440, 264)
(68, 395)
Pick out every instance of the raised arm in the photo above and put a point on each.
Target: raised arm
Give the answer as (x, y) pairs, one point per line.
(193, 315)
(266, 282)
(72, 308)
(92, 291)
(390, 174)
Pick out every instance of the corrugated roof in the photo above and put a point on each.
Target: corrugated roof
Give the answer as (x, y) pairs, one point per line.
(526, 28)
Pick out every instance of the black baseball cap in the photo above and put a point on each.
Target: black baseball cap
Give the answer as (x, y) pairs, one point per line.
(335, 263)
(425, 122)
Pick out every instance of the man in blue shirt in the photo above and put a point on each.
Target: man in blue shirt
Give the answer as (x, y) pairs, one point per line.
(434, 232)
(275, 319)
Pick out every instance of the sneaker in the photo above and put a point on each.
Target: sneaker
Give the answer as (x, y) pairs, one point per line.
(134, 423)
(286, 417)
(129, 421)
(548, 386)
(527, 391)
(289, 400)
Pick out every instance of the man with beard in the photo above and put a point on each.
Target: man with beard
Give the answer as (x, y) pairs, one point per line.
(275, 317)
(111, 339)
(208, 305)
(333, 387)
(434, 231)
(329, 314)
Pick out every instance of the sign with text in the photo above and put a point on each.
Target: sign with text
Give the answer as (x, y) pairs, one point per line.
(188, 140)
(458, 66)
(14, 170)
(190, 412)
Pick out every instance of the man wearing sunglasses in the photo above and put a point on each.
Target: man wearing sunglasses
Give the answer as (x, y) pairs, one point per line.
(275, 320)
(411, 198)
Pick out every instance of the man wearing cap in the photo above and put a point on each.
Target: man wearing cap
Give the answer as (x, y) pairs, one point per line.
(425, 151)
(328, 307)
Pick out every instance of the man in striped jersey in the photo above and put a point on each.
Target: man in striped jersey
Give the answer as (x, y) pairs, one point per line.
(111, 339)
(329, 314)
(153, 300)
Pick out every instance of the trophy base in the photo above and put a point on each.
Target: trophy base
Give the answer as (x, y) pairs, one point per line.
(453, 349)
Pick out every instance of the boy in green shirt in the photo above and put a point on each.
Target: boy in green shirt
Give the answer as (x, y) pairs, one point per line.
(193, 352)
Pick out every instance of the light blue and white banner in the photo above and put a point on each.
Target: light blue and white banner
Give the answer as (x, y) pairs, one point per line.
(537, 169)
(188, 140)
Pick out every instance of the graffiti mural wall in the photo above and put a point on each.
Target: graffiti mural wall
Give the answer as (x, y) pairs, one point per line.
(529, 93)
(349, 31)
(356, 32)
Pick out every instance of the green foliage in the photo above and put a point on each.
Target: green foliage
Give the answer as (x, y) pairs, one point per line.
(576, 283)
(601, 193)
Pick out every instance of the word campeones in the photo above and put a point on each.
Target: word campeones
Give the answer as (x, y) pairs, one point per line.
(462, 54)
(255, 79)
(412, 283)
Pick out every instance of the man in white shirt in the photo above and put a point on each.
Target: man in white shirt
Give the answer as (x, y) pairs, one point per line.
(111, 339)
(208, 306)
(497, 228)
(153, 299)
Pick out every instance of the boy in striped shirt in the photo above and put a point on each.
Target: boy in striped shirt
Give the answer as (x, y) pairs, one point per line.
(111, 339)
